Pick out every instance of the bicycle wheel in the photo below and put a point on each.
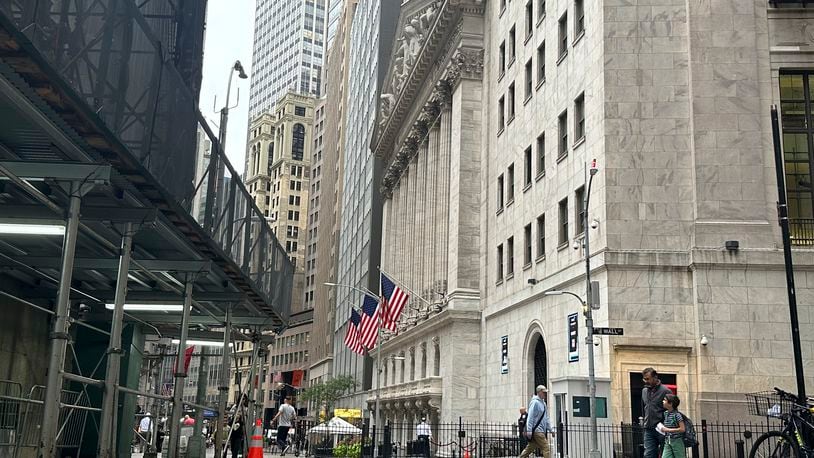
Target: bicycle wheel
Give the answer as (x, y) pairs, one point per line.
(774, 444)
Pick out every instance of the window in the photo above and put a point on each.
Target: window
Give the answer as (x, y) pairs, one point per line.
(563, 235)
(510, 257)
(527, 167)
(501, 59)
(579, 117)
(510, 184)
(500, 262)
(541, 236)
(529, 79)
(579, 210)
(297, 141)
(500, 192)
(512, 45)
(293, 232)
(293, 215)
(541, 155)
(501, 115)
(527, 245)
(797, 110)
(294, 200)
(529, 18)
(502, 6)
(511, 102)
(563, 27)
(563, 128)
(540, 10)
(579, 19)
(299, 111)
(541, 63)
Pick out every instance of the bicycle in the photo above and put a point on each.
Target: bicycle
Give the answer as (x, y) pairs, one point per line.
(794, 440)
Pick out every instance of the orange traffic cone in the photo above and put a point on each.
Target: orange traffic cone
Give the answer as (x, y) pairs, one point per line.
(256, 441)
(466, 453)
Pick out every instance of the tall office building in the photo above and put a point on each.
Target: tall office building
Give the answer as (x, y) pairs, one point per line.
(277, 175)
(329, 187)
(289, 44)
(372, 32)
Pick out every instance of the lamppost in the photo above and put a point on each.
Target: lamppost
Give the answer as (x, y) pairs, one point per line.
(217, 168)
(588, 305)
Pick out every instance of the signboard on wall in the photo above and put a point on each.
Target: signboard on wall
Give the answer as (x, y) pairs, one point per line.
(573, 338)
(504, 355)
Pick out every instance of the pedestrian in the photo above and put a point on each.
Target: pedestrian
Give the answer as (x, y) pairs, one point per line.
(236, 438)
(145, 429)
(653, 411)
(673, 428)
(284, 417)
(424, 434)
(521, 428)
(538, 425)
(188, 421)
(270, 434)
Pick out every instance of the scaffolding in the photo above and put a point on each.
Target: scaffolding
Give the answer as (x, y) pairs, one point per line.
(98, 134)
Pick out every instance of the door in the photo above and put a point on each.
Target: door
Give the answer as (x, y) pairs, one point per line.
(636, 385)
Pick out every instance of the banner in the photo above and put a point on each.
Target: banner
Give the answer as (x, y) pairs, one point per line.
(296, 379)
(188, 358)
(573, 338)
(348, 413)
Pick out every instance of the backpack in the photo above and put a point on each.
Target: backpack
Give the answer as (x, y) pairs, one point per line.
(690, 436)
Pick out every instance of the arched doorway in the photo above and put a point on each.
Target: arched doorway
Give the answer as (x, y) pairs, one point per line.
(540, 363)
(537, 362)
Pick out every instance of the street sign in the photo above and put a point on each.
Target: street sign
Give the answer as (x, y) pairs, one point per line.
(573, 331)
(609, 331)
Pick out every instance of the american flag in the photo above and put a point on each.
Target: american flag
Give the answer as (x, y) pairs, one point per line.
(369, 326)
(352, 336)
(393, 299)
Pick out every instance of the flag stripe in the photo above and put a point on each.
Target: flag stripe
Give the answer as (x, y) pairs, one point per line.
(369, 326)
(394, 299)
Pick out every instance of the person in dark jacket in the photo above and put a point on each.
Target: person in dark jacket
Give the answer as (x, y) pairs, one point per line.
(521, 428)
(236, 439)
(653, 395)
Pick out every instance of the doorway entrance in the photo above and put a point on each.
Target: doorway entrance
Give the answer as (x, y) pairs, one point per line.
(636, 386)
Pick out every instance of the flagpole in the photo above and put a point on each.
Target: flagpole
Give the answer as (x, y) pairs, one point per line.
(379, 371)
(403, 286)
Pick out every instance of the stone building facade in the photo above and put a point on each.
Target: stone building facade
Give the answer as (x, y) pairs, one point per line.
(672, 99)
(428, 137)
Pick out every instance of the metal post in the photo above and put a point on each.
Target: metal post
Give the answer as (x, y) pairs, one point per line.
(59, 336)
(783, 214)
(156, 390)
(379, 373)
(200, 395)
(180, 375)
(589, 321)
(258, 395)
(253, 372)
(223, 388)
(109, 413)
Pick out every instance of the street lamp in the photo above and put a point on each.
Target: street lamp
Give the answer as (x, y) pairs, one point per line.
(217, 179)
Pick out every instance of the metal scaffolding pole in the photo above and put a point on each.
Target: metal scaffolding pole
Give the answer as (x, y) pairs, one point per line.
(253, 373)
(107, 449)
(59, 336)
(258, 395)
(223, 389)
(200, 394)
(180, 374)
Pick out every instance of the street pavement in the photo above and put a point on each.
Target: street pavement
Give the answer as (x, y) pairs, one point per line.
(210, 453)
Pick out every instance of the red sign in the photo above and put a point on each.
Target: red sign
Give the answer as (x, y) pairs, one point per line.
(188, 358)
(672, 388)
(296, 379)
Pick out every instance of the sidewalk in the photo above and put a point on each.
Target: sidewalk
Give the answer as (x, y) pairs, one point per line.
(210, 453)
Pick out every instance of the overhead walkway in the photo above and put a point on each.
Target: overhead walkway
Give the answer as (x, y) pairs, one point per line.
(99, 138)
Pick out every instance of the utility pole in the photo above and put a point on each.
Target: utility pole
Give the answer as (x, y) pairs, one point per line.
(589, 319)
(783, 215)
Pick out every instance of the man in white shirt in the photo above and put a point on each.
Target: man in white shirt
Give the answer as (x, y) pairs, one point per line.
(285, 417)
(424, 434)
(145, 427)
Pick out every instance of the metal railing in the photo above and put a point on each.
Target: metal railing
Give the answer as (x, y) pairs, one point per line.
(802, 231)
(110, 56)
(21, 417)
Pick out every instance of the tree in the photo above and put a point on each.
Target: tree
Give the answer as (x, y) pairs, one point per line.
(328, 392)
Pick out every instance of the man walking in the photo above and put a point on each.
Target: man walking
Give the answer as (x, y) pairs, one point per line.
(284, 417)
(653, 395)
(145, 428)
(538, 424)
(424, 434)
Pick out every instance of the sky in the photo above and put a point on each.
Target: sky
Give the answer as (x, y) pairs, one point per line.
(229, 37)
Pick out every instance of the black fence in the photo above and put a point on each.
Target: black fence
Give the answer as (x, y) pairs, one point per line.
(493, 440)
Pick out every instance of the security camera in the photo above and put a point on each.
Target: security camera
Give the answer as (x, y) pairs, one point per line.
(575, 246)
(83, 310)
(597, 341)
(594, 224)
(704, 340)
